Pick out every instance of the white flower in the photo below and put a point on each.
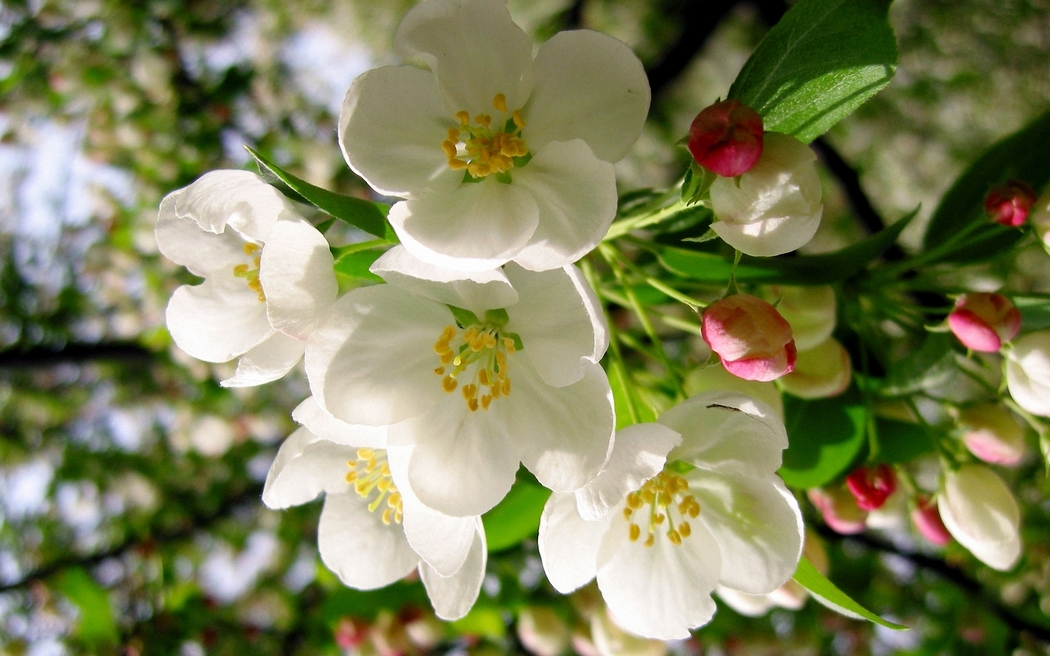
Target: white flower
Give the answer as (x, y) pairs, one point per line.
(1028, 372)
(717, 514)
(373, 531)
(775, 207)
(980, 512)
(500, 156)
(513, 378)
(267, 274)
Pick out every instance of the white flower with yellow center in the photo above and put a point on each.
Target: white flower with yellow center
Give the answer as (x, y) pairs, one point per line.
(695, 503)
(499, 156)
(267, 274)
(373, 531)
(477, 374)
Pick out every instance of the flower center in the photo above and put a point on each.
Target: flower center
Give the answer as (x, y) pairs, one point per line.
(666, 495)
(481, 149)
(370, 474)
(251, 275)
(478, 358)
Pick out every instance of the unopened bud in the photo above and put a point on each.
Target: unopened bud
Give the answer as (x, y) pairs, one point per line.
(820, 372)
(750, 337)
(983, 321)
(871, 486)
(1028, 372)
(542, 631)
(992, 434)
(839, 509)
(1009, 203)
(350, 632)
(980, 512)
(726, 138)
(927, 520)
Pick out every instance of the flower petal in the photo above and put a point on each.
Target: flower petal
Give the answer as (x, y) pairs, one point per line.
(560, 322)
(267, 361)
(769, 237)
(587, 86)
(218, 319)
(565, 433)
(757, 525)
(453, 596)
(475, 291)
(474, 227)
(661, 591)
(320, 422)
(568, 543)
(576, 195)
(728, 431)
(980, 512)
(746, 604)
(182, 240)
(391, 127)
(296, 275)
(371, 359)
(355, 544)
(305, 466)
(240, 199)
(474, 49)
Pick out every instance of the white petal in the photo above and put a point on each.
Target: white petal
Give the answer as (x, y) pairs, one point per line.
(568, 543)
(453, 596)
(296, 275)
(980, 512)
(576, 195)
(240, 199)
(730, 431)
(371, 360)
(320, 422)
(757, 525)
(474, 227)
(474, 49)
(661, 591)
(306, 465)
(639, 453)
(1028, 372)
(267, 361)
(559, 320)
(475, 291)
(218, 319)
(391, 128)
(769, 237)
(714, 377)
(743, 603)
(355, 544)
(587, 86)
(565, 433)
(183, 241)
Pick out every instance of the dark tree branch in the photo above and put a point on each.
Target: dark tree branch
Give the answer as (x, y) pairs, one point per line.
(74, 353)
(698, 20)
(850, 181)
(572, 17)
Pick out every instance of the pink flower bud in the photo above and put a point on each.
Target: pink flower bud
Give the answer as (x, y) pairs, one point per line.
(983, 321)
(1009, 203)
(871, 486)
(753, 341)
(351, 632)
(726, 138)
(992, 434)
(839, 509)
(927, 520)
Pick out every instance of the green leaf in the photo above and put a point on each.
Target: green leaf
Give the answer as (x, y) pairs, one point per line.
(901, 441)
(355, 264)
(343, 601)
(95, 624)
(1020, 156)
(626, 398)
(927, 367)
(825, 437)
(360, 213)
(516, 517)
(482, 621)
(1035, 312)
(818, 64)
(800, 270)
(828, 594)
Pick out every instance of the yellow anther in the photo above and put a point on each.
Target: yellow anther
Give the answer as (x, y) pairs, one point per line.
(665, 494)
(351, 476)
(649, 540)
(470, 390)
(500, 102)
(684, 529)
(240, 269)
(387, 516)
(448, 357)
(450, 149)
(483, 377)
(457, 164)
(659, 519)
(472, 403)
(635, 532)
(506, 386)
(364, 453)
(627, 512)
(448, 383)
(439, 371)
(496, 390)
(453, 135)
(250, 248)
(394, 500)
(486, 400)
(674, 536)
(484, 120)
(463, 117)
(519, 120)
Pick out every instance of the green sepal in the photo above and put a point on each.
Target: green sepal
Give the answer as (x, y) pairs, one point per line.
(514, 337)
(497, 317)
(680, 467)
(463, 317)
(696, 183)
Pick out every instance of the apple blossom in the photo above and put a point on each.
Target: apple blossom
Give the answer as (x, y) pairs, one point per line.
(992, 434)
(1028, 372)
(775, 207)
(983, 321)
(726, 138)
(500, 156)
(790, 595)
(750, 337)
(820, 372)
(267, 274)
(1009, 203)
(871, 486)
(927, 519)
(980, 512)
(684, 505)
(372, 527)
(477, 371)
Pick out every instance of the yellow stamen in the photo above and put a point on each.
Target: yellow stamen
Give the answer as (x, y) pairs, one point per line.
(635, 532)
(665, 494)
(500, 102)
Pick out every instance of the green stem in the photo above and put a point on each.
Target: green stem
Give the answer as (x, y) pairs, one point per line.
(625, 226)
(616, 364)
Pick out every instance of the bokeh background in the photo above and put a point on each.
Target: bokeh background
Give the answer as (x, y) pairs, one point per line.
(130, 519)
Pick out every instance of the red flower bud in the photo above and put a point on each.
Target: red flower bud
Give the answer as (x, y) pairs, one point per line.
(928, 521)
(1010, 202)
(871, 486)
(726, 138)
(839, 509)
(982, 321)
(753, 341)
